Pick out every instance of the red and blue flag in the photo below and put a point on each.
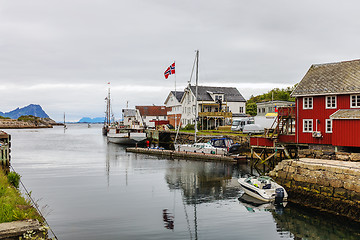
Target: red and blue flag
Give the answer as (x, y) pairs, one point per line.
(170, 70)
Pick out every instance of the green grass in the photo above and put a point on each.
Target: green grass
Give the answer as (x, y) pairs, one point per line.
(214, 132)
(13, 206)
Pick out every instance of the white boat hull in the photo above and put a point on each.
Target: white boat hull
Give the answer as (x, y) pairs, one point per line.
(198, 148)
(126, 138)
(258, 192)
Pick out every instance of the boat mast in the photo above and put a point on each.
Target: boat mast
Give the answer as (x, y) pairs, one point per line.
(196, 91)
(108, 108)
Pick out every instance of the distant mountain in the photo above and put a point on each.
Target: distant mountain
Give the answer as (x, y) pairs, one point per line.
(32, 109)
(91, 120)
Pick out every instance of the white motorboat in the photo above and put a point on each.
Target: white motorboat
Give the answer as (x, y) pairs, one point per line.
(200, 148)
(263, 188)
(214, 146)
(125, 136)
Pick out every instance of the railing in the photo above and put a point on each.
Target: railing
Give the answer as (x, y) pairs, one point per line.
(286, 112)
(215, 114)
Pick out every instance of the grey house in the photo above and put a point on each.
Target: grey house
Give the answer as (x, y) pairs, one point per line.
(264, 108)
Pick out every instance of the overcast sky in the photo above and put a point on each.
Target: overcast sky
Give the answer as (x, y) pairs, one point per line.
(62, 54)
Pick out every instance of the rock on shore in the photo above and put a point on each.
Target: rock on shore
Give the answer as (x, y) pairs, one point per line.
(38, 123)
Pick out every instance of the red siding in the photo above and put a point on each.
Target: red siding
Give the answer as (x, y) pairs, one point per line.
(261, 141)
(172, 117)
(320, 113)
(287, 138)
(346, 133)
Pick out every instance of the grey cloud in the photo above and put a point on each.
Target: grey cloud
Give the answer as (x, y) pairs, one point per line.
(133, 42)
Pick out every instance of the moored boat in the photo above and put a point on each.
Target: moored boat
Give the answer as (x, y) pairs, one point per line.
(214, 146)
(125, 136)
(263, 188)
(107, 120)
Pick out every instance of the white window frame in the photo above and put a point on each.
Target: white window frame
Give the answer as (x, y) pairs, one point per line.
(306, 125)
(328, 126)
(329, 102)
(306, 103)
(357, 97)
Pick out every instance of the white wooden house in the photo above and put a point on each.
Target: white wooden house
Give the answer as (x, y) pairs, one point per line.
(173, 104)
(215, 105)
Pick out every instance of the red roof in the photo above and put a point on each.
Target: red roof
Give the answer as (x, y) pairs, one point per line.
(153, 110)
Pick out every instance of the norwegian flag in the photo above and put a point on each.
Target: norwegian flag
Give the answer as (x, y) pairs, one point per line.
(170, 70)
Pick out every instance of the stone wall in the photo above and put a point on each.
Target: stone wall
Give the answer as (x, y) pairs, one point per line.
(329, 154)
(330, 185)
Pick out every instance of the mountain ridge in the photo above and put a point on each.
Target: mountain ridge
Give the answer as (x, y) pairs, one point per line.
(92, 120)
(31, 109)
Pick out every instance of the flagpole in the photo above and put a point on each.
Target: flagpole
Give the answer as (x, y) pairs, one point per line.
(196, 92)
(175, 97)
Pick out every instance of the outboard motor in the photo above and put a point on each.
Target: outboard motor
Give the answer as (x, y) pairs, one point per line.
(279, 195)
(234, 148)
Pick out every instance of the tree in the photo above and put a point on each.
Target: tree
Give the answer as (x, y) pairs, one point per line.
(274, 94)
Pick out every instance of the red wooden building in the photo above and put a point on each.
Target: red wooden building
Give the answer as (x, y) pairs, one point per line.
(327, 109)
(328, 105)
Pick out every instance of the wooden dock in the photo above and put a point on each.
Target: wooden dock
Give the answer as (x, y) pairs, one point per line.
(5, 146)
(189, 155)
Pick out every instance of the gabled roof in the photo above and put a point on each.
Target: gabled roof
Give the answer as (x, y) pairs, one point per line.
(330, 78)
(231, 94)
(152, 110)
(178, 95)
(346, 114)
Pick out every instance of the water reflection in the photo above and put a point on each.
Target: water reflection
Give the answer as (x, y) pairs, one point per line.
(254, 205)
(168, 219)
(305, 223)
(202, 182)
(99, 191)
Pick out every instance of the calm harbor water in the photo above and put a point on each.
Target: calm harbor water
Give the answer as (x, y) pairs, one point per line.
(88, 189)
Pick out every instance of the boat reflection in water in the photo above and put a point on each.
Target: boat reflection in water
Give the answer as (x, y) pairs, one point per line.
(255, 205)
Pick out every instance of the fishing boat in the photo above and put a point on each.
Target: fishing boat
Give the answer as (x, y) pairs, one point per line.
(125, 136)
(131, 131)
(263, 188)
(107, 120)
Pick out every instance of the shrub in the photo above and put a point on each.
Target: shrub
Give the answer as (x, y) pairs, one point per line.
(14, 179)
(189, 127)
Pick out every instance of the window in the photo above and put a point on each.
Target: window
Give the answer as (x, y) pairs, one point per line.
(241, 110)
(308, 103)
(328, 126)
(307, 125)
(331, 102)
(355, 101)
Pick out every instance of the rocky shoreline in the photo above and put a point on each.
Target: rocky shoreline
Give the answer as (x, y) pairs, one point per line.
(35, 123)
